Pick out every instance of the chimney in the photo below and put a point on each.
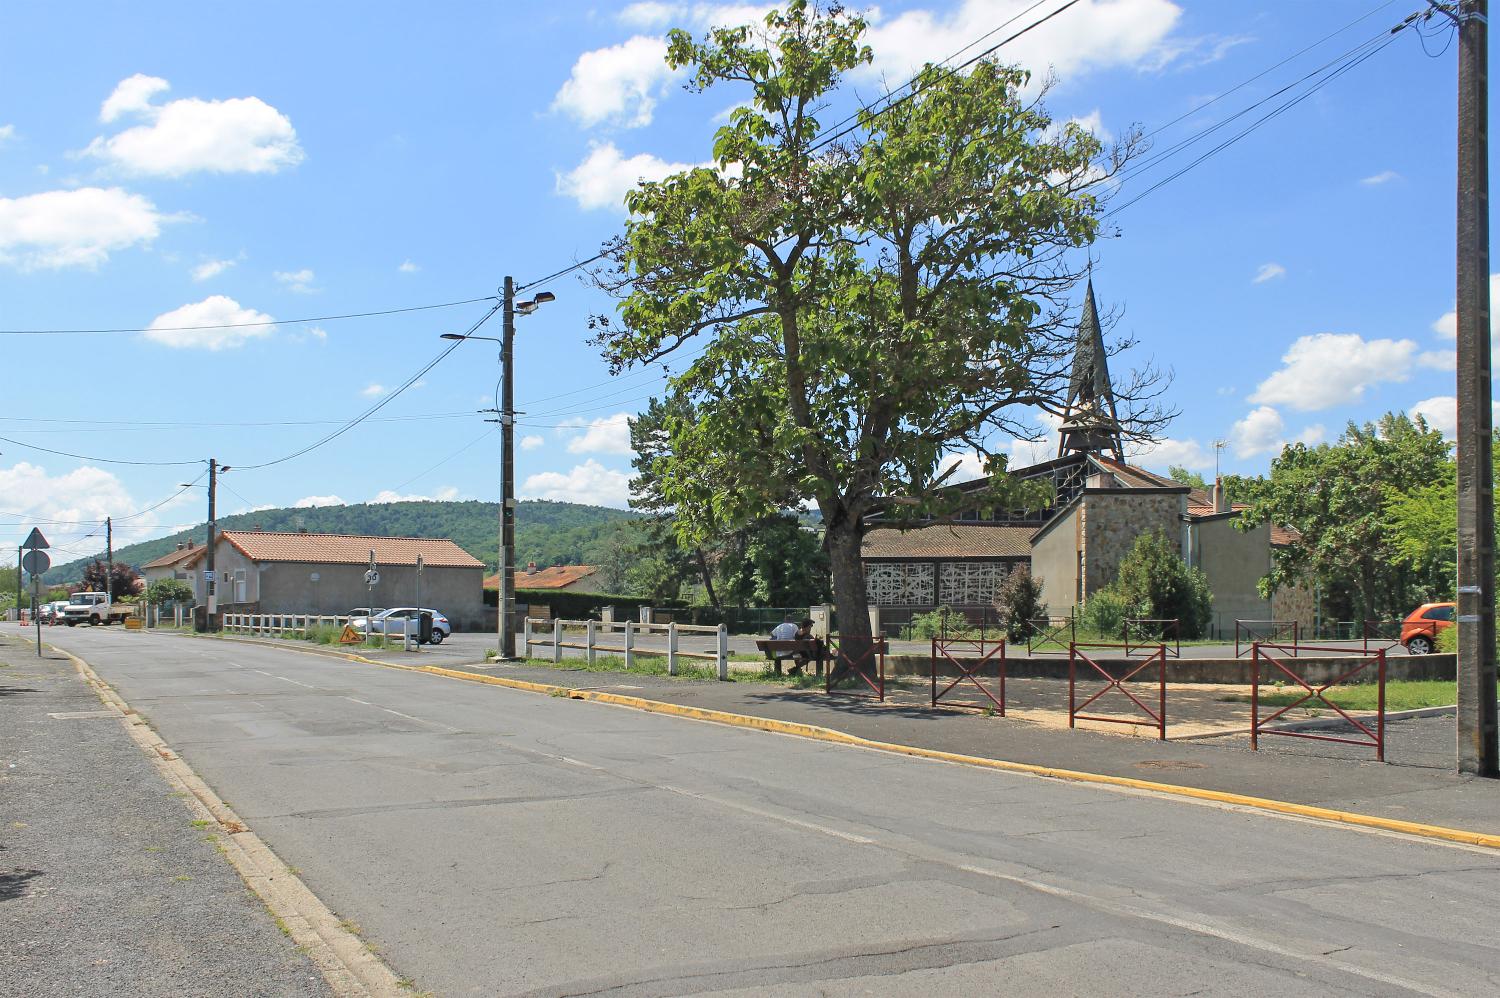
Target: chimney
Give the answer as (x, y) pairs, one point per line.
(301, 530)
(181, 545)
(257, 528)
(531, 568)
(190, 544)
(1102, 480)
(1220, 506)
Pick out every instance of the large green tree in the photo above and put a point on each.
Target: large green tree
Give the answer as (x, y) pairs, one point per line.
(874, 298)
(1337, 498)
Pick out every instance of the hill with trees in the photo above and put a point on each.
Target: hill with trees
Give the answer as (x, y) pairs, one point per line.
(548, 533)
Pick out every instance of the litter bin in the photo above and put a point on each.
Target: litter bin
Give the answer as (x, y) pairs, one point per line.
(424, 627)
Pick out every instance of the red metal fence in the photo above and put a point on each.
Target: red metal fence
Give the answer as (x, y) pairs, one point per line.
(1164, 631)
(984, 653)
(1274, 657)
(1155, 718)
(1060, 631)
(865, 662)
(1384, 634)
(1248, 632)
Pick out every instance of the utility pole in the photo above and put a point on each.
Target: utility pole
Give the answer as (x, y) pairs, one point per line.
(211, 586)
(507, 595)
(1477, 746)
(109, 561)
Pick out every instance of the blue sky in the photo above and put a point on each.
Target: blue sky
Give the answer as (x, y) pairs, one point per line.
(239, 163)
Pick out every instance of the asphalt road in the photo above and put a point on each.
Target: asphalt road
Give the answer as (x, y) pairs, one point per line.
(489, 841)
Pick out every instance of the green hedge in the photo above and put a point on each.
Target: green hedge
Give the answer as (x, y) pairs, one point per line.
(578, 606)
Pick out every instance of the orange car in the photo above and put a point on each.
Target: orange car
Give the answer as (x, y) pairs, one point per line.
(1419, 631)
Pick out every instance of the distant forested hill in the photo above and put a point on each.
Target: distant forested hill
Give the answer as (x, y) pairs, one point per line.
(548, 533)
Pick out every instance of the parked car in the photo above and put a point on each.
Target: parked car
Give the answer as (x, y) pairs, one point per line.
(94, 608)
(397, 619)
(1419, 631)
(365, 611)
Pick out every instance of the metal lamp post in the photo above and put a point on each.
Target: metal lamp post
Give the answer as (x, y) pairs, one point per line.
(506, 416)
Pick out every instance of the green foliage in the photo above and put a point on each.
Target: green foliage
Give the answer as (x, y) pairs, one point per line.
(1019, 603)
(1353, 502)
(871, 307)
(773, 562)
(942, 622)
(1155, 582)
(581, 606)
(1103, 616)
(169, 591)
(548, 533)
(1189, 478)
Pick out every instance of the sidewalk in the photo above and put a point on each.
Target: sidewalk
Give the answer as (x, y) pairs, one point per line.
(106, 886)
(1302, 772)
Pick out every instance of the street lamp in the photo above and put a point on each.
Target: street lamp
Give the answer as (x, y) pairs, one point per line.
(506, 601)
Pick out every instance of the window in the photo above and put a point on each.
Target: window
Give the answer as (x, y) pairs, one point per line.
(1439, 613)
(963, 583)
(899, 583)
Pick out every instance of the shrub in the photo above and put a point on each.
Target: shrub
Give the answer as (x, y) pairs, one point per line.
(1019, 603)
(1104, 614)
(1155, 582)
(944, 621)
(169, 591)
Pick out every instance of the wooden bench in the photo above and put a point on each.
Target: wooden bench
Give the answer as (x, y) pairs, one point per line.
(812, 649)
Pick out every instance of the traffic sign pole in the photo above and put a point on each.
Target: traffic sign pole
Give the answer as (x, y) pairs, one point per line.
(36, 562)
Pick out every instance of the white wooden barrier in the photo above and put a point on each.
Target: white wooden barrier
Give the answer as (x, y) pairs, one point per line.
(279, 623)
(535, 636)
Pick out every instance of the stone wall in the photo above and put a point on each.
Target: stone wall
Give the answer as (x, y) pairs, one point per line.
(1297, 603)
(1111, 523)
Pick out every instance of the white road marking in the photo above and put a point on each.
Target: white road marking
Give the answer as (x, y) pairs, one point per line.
(284, 679)
(784, 819)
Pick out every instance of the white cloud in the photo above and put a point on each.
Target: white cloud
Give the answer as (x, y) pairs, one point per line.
(85, 493)
(969, 467)
(132, 96)
(1312, 435)
(619, 84)
(1441, 413)
(372, 389)
(1093, 122)
(1438, 360)
(211, 268)
(238, 135)
(1095, 34)
(1329, 369)
(7, 132)
(308, 502)
(1164, 454)
(76, 228)
(215, 310)
(531, 442)
(1383, 177)
(604, 176)
(589, 483)
(444, 494)
(1446, 325)
(1262, 431)
(1268, 272)
(607, 435)
(318, 333)
(407, 267)
(651, 15)
(299, 281)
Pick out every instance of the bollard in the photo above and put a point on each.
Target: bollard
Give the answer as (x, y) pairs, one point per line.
(526, 637)
(557, 640)
(723, 651)
(589, 642)
(629, 644)
(672, 648)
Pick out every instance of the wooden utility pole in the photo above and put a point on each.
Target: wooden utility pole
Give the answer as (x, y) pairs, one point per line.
(1477, 746)
(507, 594)
(109, 562)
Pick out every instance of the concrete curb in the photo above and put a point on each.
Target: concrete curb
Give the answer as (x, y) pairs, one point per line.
(349, 967)
(818, 733)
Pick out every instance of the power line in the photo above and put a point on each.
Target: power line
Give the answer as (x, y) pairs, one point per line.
(98, 460)
(242, 325)
(351, 424)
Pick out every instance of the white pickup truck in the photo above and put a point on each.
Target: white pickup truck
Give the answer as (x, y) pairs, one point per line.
(94, 608)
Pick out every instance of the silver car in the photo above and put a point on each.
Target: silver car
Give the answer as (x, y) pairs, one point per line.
(398, 620)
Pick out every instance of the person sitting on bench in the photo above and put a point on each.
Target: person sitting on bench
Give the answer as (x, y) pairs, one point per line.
(785, 631)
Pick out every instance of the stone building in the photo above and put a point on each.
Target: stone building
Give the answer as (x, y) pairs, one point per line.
(1075, 544)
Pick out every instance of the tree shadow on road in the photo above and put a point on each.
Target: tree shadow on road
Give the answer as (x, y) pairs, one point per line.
(13, 883)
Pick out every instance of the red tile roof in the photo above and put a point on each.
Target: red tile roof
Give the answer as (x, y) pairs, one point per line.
(349, 549)
(556, 577)
(945, 540)
(172, 559)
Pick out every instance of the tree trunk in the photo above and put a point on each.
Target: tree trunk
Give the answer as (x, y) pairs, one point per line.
(843, 537)
(708, 578)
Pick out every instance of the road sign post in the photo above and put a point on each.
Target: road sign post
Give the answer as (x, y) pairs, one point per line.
(36, 562)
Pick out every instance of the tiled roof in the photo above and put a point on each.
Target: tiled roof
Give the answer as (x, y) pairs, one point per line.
(1132, 477)
(173, 558)
(556, 577)
(1284, 537)
(349, 549)
(949, 540)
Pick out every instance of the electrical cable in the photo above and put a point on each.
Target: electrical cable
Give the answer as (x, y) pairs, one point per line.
(98, 460)
(241, 325)
(351, 424)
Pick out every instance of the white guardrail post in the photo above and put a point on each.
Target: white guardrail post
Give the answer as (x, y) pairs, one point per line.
(588, 642)
(629, 644)
(672, 648)
(557, 639)
(526, 637)
(723, 650)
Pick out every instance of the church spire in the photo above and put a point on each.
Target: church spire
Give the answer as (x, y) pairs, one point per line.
(1090, 424)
